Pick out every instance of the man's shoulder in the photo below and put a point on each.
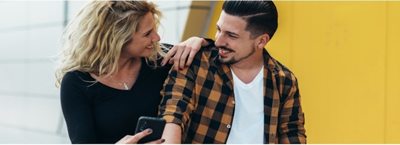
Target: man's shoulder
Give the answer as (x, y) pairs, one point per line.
(207, 54)
(284, 71)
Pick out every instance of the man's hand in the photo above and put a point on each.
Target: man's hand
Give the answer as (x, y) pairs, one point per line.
(182, 50)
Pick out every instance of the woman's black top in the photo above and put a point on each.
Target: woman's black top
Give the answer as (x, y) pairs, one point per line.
(96, 113)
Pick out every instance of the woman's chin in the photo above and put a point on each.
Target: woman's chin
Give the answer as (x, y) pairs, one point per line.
(147, 54)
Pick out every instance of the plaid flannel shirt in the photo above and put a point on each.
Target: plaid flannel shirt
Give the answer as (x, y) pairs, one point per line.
(199, 99)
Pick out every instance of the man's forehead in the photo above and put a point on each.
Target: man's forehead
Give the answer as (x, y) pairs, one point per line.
(231, 23)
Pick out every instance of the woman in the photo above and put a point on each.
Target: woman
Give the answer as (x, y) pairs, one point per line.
(110, 72)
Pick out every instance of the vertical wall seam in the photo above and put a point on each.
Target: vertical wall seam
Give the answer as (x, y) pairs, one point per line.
(208, 21)
(179, 35)
(291, 35)
(61, 117)
(386, 76)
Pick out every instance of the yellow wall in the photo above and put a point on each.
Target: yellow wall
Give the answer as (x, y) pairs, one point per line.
(346, 56)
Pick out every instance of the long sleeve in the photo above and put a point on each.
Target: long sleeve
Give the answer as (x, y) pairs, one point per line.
(77, 109)
(178, 102)
(291, 124)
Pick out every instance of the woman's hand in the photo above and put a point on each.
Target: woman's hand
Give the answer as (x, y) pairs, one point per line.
(182, 50)
(133, 139)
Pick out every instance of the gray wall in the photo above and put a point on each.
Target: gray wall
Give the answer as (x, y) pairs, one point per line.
(30, 109)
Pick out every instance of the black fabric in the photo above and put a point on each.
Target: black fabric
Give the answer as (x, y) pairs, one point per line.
(96, 113)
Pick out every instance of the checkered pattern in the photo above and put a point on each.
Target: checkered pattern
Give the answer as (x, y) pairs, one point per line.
(199, 99)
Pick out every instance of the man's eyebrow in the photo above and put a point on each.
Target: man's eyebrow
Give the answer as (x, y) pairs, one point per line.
(232, 33)
(229, 32)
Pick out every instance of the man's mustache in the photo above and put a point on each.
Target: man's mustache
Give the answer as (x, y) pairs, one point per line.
(226, 48)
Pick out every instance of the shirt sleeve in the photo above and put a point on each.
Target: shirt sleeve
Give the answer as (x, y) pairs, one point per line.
(291, 124)
(178, 102)
(77, 110)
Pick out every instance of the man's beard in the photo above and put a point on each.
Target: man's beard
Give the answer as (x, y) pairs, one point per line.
(233, 60)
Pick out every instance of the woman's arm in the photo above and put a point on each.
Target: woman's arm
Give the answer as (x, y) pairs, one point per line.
(77, 110)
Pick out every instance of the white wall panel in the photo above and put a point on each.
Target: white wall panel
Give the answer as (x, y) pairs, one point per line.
(12, 111)
(42, 114)
(166, 4)
(24, 136)
(182, 17)
(41, 79)
(44, 42)
(74, 7)
(14, 14)
(30, 113)
(168, 32)
(13, 45)
(12, 76)
(41, 12)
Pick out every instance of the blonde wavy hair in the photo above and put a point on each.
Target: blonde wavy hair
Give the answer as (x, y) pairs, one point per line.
(93, 40)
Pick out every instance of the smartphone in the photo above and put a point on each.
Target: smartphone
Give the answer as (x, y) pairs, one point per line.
(156, 124)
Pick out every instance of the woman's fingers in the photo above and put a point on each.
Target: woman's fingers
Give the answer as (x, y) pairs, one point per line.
(178, 54)
(183, 53)
(169, 55)
(182, 59)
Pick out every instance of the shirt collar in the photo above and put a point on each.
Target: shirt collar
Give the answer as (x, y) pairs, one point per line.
(271, 63)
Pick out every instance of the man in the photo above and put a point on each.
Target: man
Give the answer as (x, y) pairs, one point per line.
(236, 93)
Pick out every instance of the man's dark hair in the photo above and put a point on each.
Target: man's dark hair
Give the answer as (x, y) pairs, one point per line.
(261, 16)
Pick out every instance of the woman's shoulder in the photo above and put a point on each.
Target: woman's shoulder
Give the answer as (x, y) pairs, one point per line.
(76, 77)
(76, 74)
(74, 87)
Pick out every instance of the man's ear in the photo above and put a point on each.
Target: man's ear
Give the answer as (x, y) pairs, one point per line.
(262, 41)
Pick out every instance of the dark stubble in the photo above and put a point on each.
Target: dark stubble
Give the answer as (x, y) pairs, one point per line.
(233, 60)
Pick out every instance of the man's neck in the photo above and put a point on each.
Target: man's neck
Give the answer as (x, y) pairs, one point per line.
(247, 69)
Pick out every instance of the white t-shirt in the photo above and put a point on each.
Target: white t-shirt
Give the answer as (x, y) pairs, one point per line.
(248, 120)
